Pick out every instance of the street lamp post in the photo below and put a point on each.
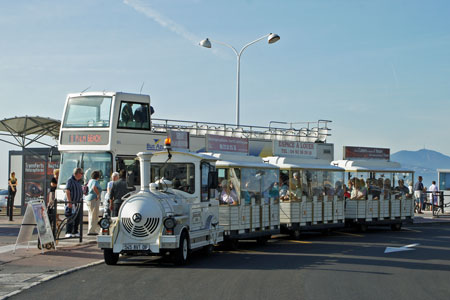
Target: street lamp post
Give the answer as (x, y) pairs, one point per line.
(271, 38)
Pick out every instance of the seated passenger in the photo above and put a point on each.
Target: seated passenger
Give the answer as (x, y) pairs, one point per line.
(141, 116)
(284, 191)
(401, 189)
(228, 195)
(127, 113)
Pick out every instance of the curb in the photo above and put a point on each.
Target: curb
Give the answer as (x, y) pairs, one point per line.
(48, 278)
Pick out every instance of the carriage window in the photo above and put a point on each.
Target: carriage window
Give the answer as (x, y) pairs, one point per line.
(181, 175)
(402, 183)
(296, 185)
(251, 189)
(229, 186)
(205, 168)
(134, 115)
(270, 186)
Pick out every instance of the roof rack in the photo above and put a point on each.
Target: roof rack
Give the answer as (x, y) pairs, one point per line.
(313, 132)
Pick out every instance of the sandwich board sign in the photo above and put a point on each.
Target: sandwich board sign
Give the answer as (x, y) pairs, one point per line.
(35, 216)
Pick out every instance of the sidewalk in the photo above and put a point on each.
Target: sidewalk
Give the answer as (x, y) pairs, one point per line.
(428, 218)
(28, 267)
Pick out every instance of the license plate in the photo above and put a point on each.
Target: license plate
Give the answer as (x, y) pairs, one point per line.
(139, 247)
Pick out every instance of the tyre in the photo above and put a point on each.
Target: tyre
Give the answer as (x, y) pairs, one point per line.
(110, 257)
(295, 234)
(232, 244)
(208, 250)
(181, 255)
(262, 240)
(396, 227)
(363, 227)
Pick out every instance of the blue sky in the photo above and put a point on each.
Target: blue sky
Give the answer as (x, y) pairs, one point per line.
(379, 69)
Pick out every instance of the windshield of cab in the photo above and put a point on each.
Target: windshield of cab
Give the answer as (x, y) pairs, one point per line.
(89, 162)
(90, 111)
(182, 175)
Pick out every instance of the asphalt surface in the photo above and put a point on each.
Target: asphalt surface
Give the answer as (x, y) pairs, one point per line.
(344, 265)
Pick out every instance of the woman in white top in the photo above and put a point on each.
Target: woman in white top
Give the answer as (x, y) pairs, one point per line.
(228, 195)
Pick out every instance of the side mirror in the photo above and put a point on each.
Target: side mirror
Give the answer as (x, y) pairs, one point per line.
(213, 179)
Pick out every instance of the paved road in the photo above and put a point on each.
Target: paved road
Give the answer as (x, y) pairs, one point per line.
(346, 265)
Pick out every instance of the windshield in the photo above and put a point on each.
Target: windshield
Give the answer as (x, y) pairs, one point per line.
(89, 162)
(92, 111)
(182, 175)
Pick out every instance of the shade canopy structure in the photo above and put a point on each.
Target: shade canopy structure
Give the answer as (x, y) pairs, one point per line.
(27, 130)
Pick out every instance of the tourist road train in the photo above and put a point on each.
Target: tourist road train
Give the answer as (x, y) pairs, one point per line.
(200, 184)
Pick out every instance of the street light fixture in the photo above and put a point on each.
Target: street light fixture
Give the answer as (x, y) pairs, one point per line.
(271, 38)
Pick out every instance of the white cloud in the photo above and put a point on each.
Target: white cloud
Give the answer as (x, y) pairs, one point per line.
(162, 20)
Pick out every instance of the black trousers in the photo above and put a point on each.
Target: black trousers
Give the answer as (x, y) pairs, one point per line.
(116, 207)
(74, 222)
(10, 203)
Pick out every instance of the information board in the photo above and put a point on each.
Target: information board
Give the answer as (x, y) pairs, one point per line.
(35, 216)
(294, 149)
(179, 139)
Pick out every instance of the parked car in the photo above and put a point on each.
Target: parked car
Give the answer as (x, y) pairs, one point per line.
(3, 199)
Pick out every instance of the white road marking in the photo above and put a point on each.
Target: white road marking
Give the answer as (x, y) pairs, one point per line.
(399, 249)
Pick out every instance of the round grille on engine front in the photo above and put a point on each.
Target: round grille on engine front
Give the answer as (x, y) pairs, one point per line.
(141, 216)
(150, 225)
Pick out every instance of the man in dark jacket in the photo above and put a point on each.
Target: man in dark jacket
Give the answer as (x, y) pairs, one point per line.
(74, 195)
(118, 190)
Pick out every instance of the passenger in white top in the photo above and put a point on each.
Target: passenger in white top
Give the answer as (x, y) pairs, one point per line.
(228, 194)
(433, 188)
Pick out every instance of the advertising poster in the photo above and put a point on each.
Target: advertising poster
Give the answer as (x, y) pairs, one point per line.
(366, 153)
(226, 144)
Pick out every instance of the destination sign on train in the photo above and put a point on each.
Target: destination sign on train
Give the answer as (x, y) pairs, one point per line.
(294, 149)
(84, 138)
(219, 143)
(366, 153)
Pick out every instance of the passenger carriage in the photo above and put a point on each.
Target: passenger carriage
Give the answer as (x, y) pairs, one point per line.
(248, 194)
(311, 196)
(388, 199)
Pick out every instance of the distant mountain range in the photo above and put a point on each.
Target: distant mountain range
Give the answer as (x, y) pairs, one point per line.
(423, 162)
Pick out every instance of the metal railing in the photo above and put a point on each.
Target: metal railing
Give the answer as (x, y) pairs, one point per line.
(316, 131)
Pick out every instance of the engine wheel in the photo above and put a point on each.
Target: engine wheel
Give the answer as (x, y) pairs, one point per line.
(110, 257)
(181, 255)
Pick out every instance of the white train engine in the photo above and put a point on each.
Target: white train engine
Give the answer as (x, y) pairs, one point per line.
(174, 215)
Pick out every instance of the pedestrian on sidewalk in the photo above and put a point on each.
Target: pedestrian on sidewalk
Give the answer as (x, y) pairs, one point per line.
(52, 195)
(114, 178)
(12, 189)
(118, 190)
(74, 195)
(434, 189)
(93, 202)
(418, 192)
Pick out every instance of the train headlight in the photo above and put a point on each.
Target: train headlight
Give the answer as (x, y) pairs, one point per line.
(104, 223)
(169, 223)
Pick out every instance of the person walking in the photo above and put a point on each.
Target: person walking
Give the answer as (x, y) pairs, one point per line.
(93, 202)
(433, 189)
(114, 178)
(52, 213)
(118, 190)
(74, 195)
(418, 191)
(12, 189)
